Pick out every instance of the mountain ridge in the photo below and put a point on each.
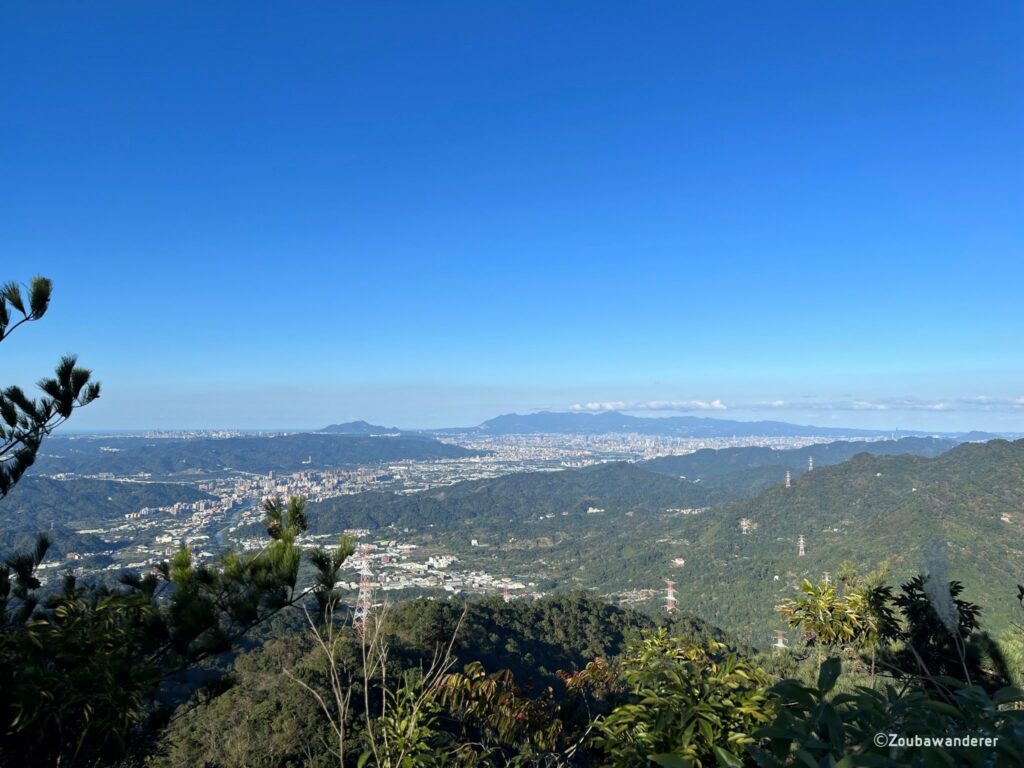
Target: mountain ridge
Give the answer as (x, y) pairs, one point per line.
(552, 422)
(359, 427)
(709, 463)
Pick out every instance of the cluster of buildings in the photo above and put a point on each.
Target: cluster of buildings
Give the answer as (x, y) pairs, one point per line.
(390, 566)
(583, 450)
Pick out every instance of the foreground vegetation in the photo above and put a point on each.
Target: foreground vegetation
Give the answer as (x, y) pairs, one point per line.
(141, 673)
(627, 691)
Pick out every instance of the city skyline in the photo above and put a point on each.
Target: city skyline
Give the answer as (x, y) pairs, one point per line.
(427, 217)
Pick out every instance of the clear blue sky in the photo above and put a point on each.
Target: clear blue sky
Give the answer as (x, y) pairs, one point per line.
(286, 214)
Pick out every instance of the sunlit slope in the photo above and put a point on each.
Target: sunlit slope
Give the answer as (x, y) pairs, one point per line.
(504, 504)
(869, 510)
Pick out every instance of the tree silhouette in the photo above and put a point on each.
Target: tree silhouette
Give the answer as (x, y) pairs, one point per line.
(25, 421)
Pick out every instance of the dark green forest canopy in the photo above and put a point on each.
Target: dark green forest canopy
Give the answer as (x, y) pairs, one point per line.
(533, 639)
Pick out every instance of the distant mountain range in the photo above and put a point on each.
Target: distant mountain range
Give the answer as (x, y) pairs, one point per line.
(548, 422)
(611, 422)
(555, 423)
(360, 428)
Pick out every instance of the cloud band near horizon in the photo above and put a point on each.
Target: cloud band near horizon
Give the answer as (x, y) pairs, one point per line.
(976, 403)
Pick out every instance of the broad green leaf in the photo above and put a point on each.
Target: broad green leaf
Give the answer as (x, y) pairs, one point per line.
(728, 759)
(670, 760)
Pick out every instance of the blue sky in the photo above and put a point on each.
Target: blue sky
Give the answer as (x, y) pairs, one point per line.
(270, 215)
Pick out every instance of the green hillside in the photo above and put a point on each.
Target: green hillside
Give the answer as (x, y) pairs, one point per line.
(59, 507)
(260, 716)
(501, 505)
(869, 510)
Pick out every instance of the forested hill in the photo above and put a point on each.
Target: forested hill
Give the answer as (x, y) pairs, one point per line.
(616, 488)
(734, 466)
(284, 453)
(38, 504)
(260, 717)
(869, 510)
(535, 637)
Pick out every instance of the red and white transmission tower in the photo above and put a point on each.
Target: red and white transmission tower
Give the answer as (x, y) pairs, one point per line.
(670, 596)
(802, 551)
(364, 602)
(507, 595)
(810, 464)
(789, 477)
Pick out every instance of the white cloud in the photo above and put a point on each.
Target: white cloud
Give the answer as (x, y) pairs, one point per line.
(808, 403)
(864, 405)
(681, 405)
(990, 403)
(597, 407)
(894, 404)
(650, 405)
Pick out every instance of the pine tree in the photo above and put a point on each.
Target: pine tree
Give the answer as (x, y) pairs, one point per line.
(25, 421)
